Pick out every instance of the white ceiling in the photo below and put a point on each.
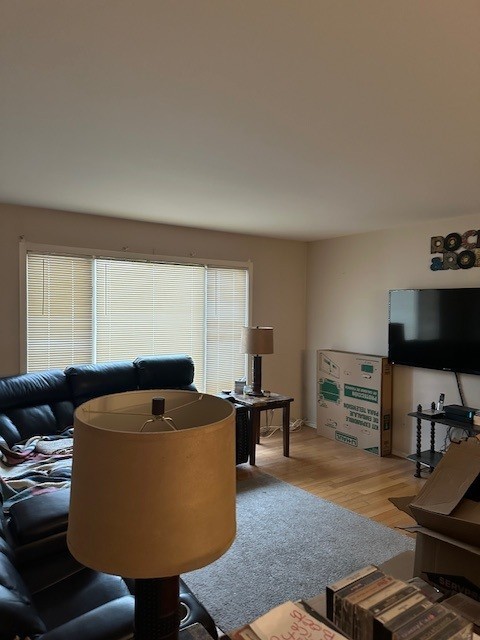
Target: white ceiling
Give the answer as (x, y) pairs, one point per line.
(287, 118)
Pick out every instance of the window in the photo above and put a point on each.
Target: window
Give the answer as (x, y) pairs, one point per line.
(86, 309)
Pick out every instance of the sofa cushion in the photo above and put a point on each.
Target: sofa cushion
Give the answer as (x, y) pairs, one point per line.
(33, 421)
(48, 516)
(174, 371)
(63, 412)
(79, 593)
(110, 621)
(89, 381)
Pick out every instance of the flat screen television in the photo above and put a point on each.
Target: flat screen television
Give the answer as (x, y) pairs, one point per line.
(435, 329)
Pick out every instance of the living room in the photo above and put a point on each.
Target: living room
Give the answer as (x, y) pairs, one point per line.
(334, 303)
(79, 171)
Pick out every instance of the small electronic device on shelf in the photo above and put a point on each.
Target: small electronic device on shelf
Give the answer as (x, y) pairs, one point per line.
(436, 410)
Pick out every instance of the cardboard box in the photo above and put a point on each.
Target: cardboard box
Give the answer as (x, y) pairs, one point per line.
(354, 400)
(447, 512)
(450, 565)
(448, 501)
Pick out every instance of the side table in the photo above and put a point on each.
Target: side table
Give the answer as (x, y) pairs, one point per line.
(257, 404)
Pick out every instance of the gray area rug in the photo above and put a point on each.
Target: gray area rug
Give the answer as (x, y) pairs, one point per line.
(289, 545)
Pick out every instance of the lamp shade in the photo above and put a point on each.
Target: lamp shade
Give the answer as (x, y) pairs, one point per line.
(257, 340)
(152, 497)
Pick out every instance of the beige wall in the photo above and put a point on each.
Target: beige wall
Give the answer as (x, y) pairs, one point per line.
(347, 292)
(279, 269)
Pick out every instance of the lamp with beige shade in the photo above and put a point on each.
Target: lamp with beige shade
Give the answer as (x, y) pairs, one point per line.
(153, 494)
(257, 341)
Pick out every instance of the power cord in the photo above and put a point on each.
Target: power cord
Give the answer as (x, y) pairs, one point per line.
(268, 430)
(297, 425)
(453, 434)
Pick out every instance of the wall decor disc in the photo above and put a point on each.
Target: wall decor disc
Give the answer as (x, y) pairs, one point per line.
(470, 239)
(453, 241)
(450, 260)
(466, 259)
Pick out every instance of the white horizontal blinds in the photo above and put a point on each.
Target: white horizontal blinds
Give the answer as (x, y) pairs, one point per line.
(83, 309)
(149, 309)
(59, 311)
(226, 315)
(180, 313)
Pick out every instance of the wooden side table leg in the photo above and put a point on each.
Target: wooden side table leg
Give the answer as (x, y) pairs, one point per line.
(286, 430)
(254, 433)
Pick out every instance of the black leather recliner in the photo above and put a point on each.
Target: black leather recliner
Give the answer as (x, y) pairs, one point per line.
(50, 596)
(45, 594)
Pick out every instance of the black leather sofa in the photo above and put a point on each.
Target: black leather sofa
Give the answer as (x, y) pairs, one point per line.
(44, 593)
(43, 403)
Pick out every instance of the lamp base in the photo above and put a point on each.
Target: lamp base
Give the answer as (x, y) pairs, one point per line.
(256, 389)
(157, 615)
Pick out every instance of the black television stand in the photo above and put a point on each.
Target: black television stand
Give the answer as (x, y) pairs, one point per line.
(430, 457)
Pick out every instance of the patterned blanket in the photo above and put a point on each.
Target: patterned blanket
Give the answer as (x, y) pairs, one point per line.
(41, 464)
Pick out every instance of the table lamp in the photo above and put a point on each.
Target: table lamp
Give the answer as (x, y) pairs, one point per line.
(153, 493)
(257, 341)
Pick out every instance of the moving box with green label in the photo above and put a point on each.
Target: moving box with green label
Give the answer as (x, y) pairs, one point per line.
(354, 400)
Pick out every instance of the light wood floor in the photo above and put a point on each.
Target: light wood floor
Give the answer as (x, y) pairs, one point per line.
(354, 479)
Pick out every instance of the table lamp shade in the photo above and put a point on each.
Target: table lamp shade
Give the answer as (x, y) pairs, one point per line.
(148, 501)
(257, 340)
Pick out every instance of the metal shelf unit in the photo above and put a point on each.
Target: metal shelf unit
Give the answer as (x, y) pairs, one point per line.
(430, 457)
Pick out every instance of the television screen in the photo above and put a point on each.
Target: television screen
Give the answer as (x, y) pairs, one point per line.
(435, 329)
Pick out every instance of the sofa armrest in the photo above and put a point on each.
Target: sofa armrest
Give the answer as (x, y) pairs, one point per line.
(111, 621)
(39, 516)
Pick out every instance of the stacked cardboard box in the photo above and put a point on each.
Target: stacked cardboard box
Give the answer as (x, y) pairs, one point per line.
(447, 510)
(370, 604)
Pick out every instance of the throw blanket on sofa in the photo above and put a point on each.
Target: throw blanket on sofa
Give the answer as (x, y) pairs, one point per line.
(42, 463)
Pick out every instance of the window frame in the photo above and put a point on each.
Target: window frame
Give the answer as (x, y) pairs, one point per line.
(26, 246)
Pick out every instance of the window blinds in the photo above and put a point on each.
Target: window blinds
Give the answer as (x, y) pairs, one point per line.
(226, 315)
(59, 311)
(87, 309)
